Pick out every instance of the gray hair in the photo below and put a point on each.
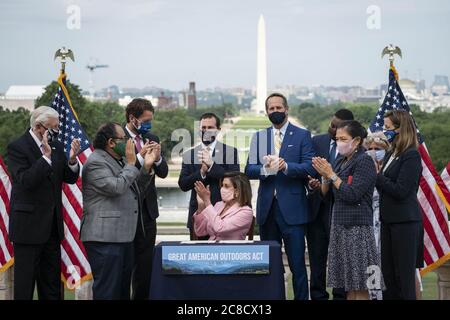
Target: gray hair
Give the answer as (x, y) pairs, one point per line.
(377, 137)
(41, 115)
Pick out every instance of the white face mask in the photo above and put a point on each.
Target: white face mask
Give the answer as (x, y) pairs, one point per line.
(226, 194)
(345, 148)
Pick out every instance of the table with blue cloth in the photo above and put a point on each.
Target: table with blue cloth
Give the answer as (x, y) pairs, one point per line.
(219, 286)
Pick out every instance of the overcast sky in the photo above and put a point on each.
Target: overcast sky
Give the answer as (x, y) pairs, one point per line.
(167, 43)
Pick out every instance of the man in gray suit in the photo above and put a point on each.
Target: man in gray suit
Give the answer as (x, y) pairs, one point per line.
(111, 198)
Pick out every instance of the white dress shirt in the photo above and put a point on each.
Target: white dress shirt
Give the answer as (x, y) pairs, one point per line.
(211, 147)
(282, 134)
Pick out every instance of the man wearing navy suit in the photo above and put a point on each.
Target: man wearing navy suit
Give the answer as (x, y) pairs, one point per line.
(280, 157)
(206, 162)
(318, 229)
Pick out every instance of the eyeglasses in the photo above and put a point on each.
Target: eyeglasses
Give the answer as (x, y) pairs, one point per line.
(116, 140)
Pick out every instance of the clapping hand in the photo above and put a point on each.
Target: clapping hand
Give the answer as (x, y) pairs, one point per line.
(203, 193)
(74, 151)
(130, 154)
(323, 167)
(313, 183)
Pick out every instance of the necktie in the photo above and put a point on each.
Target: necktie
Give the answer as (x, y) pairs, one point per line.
(333, 152)
(138, 143)
(277, 141)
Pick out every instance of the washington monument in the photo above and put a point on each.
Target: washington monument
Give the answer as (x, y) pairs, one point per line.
(261, 68)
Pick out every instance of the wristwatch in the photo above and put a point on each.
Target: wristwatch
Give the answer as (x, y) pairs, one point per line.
(325, 181)
(333, 178)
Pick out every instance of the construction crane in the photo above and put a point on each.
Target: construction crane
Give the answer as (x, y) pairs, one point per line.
(92, 66)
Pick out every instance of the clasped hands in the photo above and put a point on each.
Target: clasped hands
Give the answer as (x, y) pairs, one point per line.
(273, 164)
(324, 168)
(206, 160)
(151, 152)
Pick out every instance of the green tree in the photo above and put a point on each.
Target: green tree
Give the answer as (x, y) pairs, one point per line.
(12, 125)
(78, 101)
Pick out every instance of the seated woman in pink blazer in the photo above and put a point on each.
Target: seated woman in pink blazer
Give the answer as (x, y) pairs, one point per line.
(229, 219)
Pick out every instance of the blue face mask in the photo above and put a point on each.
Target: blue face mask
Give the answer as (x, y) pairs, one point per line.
(379, 155)
(143, 127)
(390, 135)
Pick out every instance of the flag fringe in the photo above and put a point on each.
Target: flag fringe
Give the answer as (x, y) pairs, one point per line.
(443, 198)
(66, 93)
(395, 72)
(7, 265)
(79, 283)
(435, 264)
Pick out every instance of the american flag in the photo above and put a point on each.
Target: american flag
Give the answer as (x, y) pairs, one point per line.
(433, 195)
(75, 267)
(445, 175)
(6, 248)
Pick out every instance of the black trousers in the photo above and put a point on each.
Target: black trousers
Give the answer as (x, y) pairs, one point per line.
(293, 237)
(144, 244)
(400, 243)
(38, 264)
(111, 265)
(318, 238)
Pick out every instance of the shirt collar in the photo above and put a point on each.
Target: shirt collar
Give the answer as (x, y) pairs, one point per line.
(282, 129)
(212, 145)
(36, 139)
(131, 133)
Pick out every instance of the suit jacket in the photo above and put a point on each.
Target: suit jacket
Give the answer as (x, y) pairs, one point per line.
(297, 151)
(225, 160)
(149, 196)
(36, 190)
(320, 205)
(353, 200)
(234, 225)
(110, 199)
(398, 188)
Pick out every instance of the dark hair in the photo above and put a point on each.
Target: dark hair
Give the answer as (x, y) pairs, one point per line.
(354, 129)
(209, 115)
(344, 114)
(407, 136)
(104, 133)
(242, 185)
(279, 95)
(137, 107)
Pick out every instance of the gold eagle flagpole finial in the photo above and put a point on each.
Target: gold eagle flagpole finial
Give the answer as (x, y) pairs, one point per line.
(392, 50)
(63, 54)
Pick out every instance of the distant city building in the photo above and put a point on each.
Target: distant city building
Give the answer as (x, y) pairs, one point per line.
(440, 85)
(164, 102)
(21, 96)
(192, 97)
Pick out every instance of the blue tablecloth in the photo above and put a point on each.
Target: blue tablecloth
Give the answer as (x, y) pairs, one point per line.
(223, 287)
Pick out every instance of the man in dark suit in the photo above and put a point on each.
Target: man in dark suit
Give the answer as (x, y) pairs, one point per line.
(318, 229)
(280, 157)
(139, 114)
(207, 162)
(38, 167)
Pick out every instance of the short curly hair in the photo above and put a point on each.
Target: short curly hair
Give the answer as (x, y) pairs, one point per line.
(377, 137)
(137, 107)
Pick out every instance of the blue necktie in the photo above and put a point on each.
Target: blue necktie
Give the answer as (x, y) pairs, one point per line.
(333, 152)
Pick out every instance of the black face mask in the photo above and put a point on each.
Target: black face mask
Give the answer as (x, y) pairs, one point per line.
(208, 137)
(332, 132)
(277, 117)
(52, 134)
